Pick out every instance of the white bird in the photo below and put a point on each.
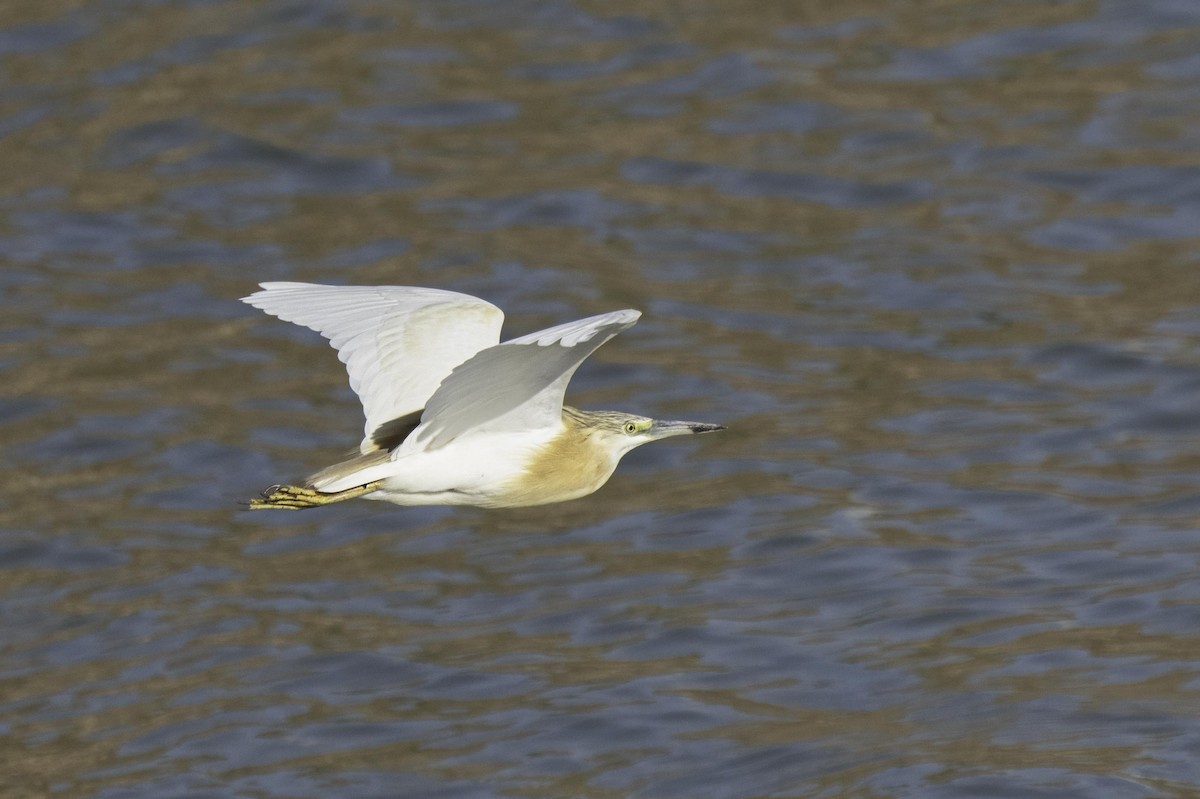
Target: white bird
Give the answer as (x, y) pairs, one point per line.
(453, 417)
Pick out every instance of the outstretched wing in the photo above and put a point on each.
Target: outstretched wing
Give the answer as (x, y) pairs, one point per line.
(398, 342)
(517, 385)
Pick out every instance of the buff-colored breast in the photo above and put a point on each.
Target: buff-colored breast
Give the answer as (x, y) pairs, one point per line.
(573, 464)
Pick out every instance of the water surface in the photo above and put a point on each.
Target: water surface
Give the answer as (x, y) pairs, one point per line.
(933, 264)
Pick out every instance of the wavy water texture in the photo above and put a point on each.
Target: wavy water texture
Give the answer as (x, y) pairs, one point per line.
(933, 263)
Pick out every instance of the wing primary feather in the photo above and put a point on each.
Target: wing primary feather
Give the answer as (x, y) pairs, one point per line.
(398, 342)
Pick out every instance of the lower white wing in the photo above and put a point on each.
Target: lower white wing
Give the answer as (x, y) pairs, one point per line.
(517, 385)
(398, 342)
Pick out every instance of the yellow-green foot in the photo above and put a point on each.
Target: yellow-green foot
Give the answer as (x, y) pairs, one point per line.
(299, 498)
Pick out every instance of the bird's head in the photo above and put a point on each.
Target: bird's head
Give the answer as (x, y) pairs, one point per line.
(621, 432)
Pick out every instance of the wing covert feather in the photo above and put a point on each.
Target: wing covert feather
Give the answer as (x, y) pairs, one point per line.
(517, 385)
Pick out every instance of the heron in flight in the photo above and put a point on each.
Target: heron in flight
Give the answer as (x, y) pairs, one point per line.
(453, 416)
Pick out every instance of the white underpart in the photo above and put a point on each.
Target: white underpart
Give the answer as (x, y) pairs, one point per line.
(467, 471)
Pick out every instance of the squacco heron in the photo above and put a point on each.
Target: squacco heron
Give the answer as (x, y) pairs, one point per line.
(453, 416)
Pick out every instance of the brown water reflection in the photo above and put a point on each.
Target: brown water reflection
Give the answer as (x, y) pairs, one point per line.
(932, 263)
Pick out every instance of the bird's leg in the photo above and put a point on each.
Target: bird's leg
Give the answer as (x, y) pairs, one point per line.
(299, 498)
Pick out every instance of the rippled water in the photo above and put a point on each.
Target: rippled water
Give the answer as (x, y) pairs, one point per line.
(933, 263)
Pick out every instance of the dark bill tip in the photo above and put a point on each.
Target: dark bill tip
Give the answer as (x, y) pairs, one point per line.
(698, 427)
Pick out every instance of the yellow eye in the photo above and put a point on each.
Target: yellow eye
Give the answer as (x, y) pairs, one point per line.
(631, 427)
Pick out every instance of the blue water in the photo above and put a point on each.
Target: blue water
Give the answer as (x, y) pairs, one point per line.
(933, 266)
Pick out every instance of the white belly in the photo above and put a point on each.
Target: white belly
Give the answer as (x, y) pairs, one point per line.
(471, 470)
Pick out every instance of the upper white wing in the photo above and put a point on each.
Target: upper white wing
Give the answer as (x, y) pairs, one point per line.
(398, 342)
(517, 385)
